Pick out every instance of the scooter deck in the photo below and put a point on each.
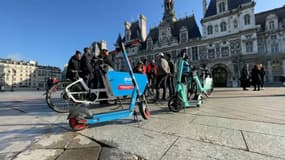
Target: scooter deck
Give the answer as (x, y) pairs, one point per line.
(97, 118)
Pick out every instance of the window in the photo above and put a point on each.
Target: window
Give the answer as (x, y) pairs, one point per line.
(183, 37)
(235, 23)
(216, 28)
(223, 27)
(225, 51)
(210, 30)
(274, 44)
(247, 19)
(249, 46)
(271, 25)
(194, 53)
(211, 53)
(222, 7)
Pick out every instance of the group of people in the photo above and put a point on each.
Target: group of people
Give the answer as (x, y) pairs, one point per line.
(87, 66)
(254, 78)
(160, 74)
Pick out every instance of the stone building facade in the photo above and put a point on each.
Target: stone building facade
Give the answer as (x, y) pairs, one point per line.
(232, 35)
(15, 74)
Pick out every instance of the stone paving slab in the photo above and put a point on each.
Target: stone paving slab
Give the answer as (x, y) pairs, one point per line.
(54, 141)
(80, 141)
(80, 154)
(7, 156)
(39, 154)
(189, 149)
(266, 144)
(147, 144)
(115, 154)
(184, 128)
(259, 127)
(15, 144)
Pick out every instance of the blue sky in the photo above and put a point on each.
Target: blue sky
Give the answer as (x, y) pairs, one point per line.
(49, 31)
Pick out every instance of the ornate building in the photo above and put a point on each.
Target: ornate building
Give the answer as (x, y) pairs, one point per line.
(232, 35)
(15, 74)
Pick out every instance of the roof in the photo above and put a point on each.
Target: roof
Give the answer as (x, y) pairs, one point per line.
(260, 18)
(232, 4)
(188, 22)
(135, 30)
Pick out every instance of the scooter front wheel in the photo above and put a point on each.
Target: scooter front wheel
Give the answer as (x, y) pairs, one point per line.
(144, 110)
(175, 104)
(77, 125)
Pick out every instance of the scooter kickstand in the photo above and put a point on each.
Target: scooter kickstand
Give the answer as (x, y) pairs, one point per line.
(136, 116)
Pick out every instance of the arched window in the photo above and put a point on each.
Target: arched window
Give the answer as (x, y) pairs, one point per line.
(247, 19)
(223, 27)
(210, 30)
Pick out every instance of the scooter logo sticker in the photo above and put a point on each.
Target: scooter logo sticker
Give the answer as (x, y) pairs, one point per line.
(125, 87)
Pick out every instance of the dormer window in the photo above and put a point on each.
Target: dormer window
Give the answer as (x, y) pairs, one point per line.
(271, 25)
(210, 30)
(222, 7)
(183, 34)
(247, 19)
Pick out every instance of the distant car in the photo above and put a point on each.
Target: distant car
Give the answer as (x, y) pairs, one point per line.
(2, 88)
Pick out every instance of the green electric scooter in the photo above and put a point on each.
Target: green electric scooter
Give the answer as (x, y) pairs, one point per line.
(180, 99)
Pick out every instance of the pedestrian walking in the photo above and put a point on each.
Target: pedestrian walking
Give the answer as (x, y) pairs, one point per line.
(256, 77)
(163, 71)
(171, 77)
(244, 79)
(262, 75)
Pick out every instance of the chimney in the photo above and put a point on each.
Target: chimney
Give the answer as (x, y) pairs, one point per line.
(143, 27)
(205, 7)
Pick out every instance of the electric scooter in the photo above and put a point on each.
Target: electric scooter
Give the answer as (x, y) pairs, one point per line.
(180, 99)
(118, 84)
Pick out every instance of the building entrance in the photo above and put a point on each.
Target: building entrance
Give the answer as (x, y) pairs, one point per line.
(220, 76)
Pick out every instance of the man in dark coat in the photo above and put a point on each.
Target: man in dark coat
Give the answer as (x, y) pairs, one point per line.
(256, 77)
(262, 75)
(86, 67)
(73, 65)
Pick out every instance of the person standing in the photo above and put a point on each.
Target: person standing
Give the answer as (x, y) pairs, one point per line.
(256, 77)
(170, 80)
(162, 74)
(86, 67)
(244, 79)
(262, 75)
(73, 65)
(151, 71)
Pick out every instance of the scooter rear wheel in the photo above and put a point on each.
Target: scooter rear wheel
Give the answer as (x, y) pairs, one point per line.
(175, 104)
(75, 125)
(144, 110)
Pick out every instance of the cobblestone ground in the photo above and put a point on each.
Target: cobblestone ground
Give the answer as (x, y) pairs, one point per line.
(231, 124)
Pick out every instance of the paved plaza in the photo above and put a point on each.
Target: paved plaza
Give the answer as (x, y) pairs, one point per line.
(231, 124)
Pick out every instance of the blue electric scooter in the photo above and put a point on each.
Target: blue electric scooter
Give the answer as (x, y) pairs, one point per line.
(118, 84)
